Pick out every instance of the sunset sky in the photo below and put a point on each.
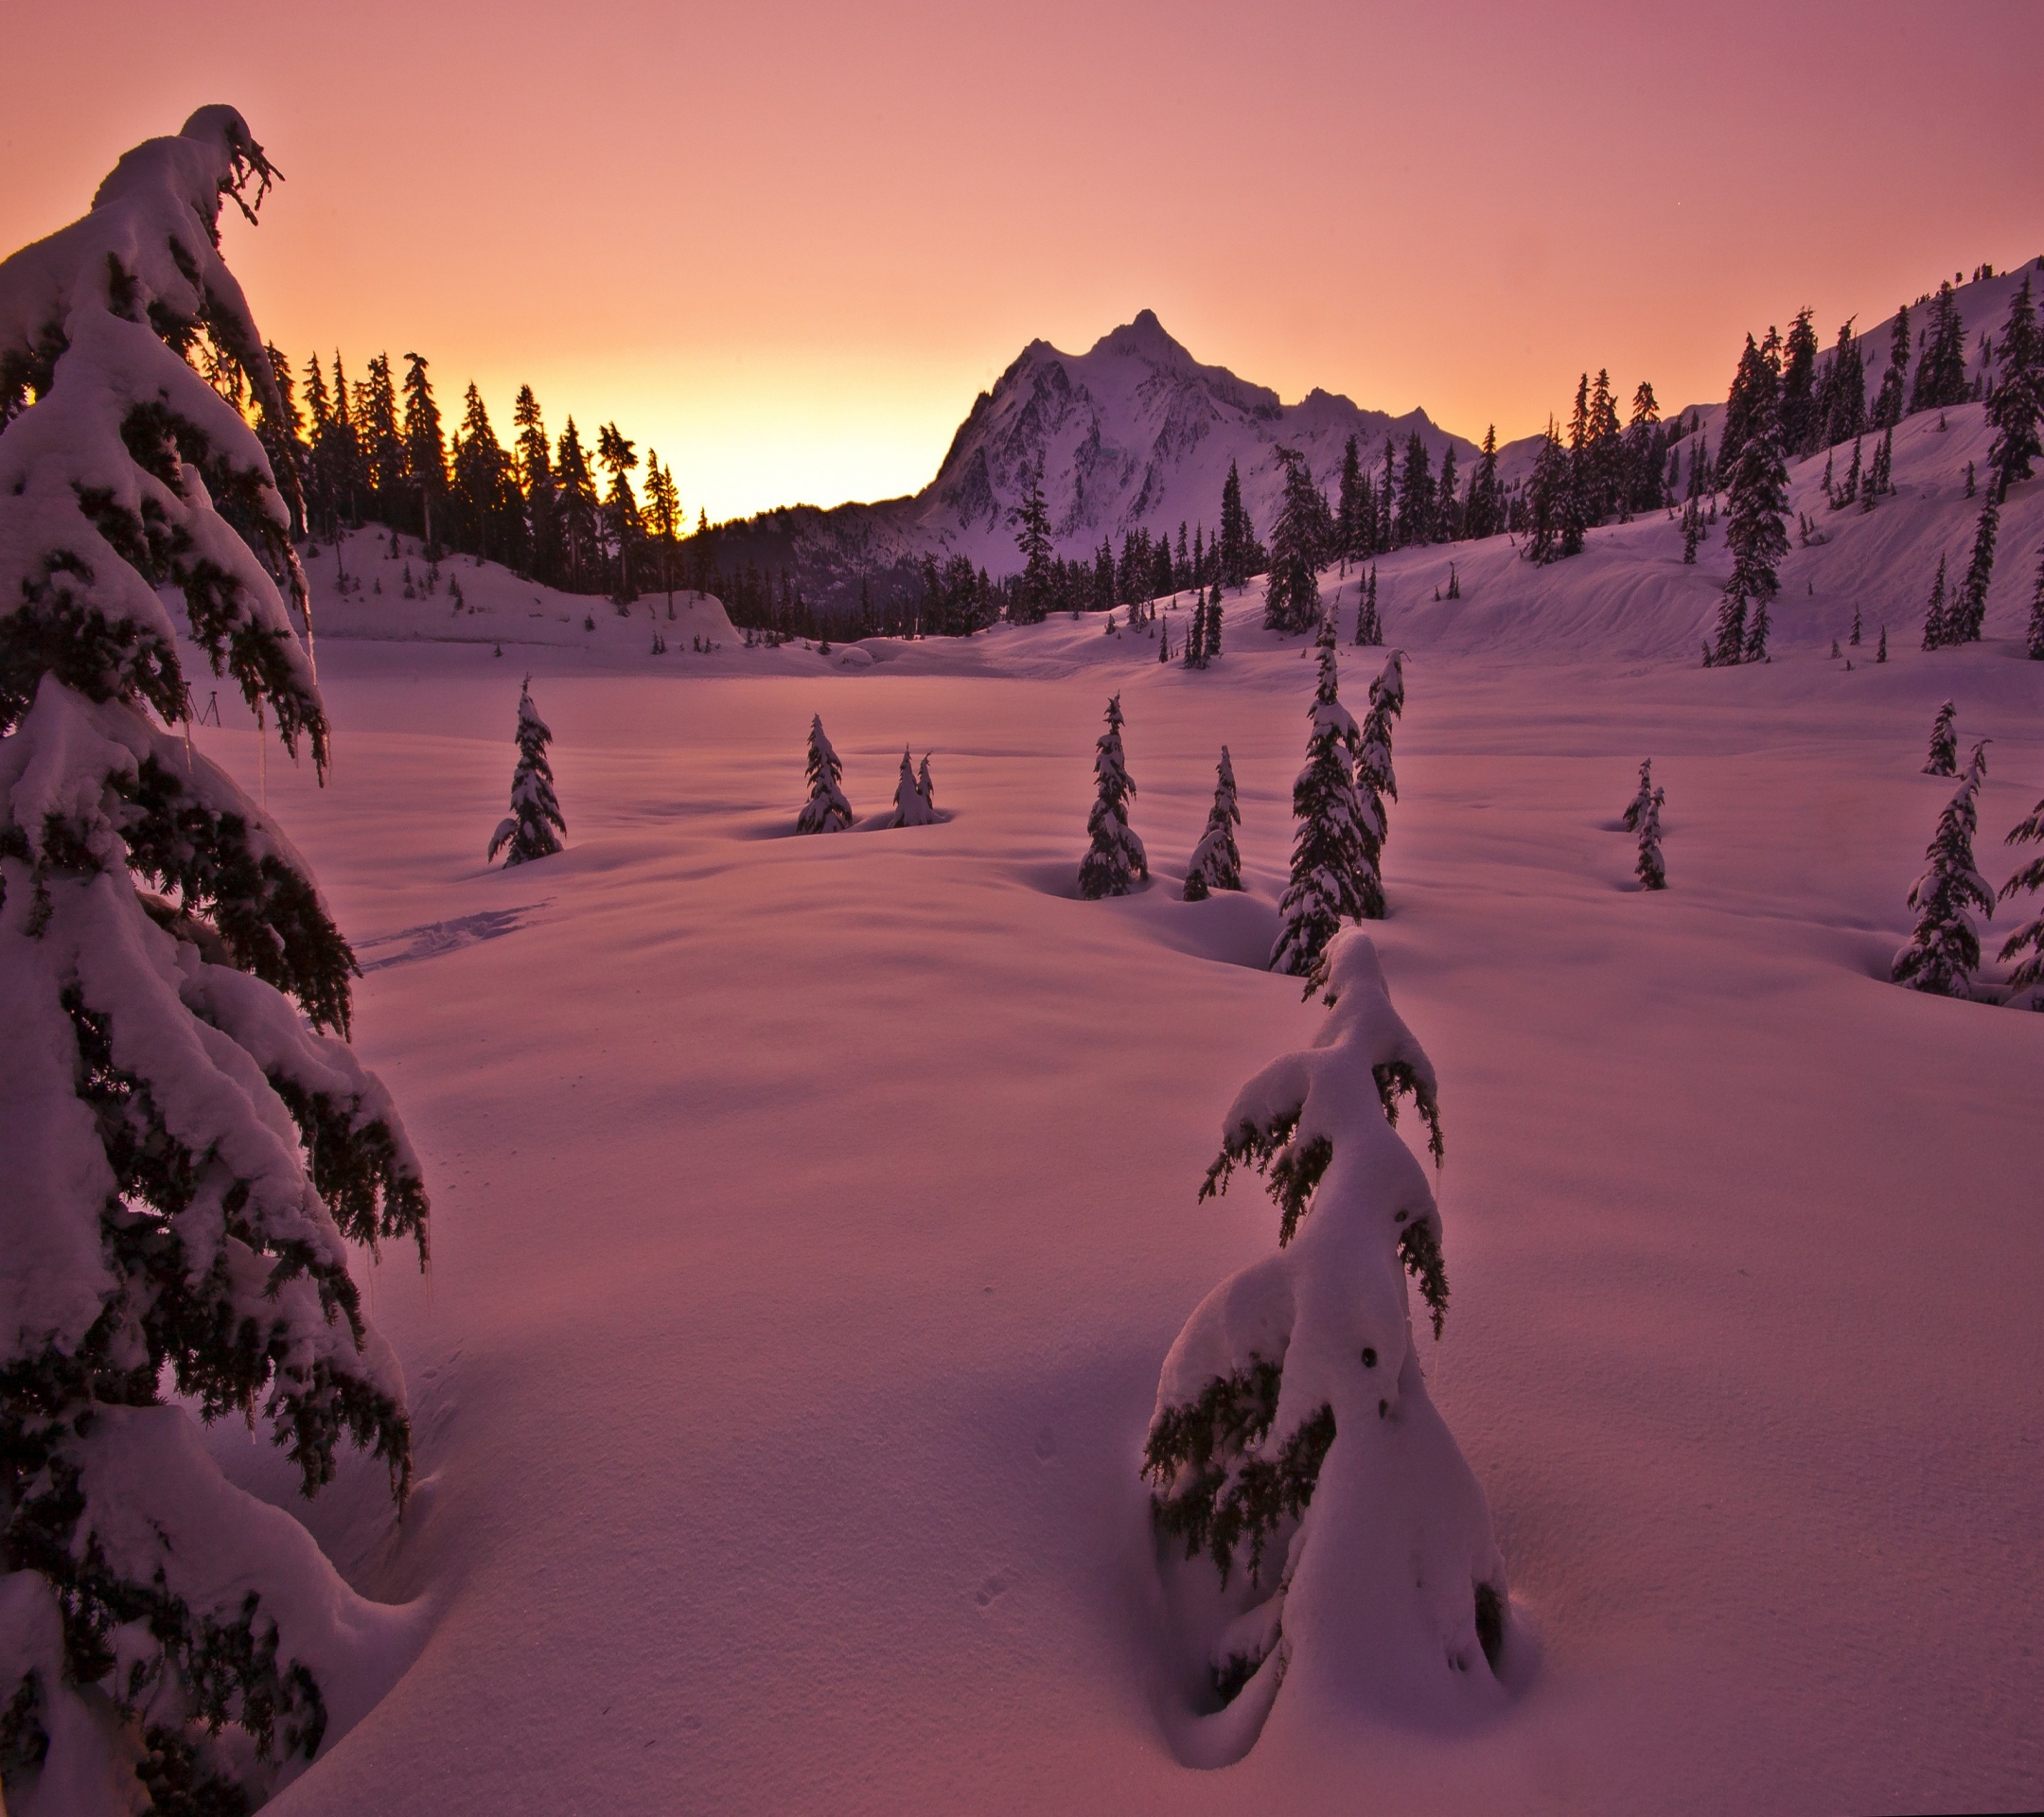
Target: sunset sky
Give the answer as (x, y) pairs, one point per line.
(786, 243)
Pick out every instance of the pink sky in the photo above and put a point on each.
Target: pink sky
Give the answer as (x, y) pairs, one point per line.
(786, 243)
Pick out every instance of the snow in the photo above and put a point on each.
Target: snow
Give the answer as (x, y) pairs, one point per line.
(812, 1217)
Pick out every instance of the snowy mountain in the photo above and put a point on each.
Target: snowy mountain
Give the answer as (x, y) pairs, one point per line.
(1134, 432)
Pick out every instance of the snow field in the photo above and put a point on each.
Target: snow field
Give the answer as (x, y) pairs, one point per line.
(812, 1217)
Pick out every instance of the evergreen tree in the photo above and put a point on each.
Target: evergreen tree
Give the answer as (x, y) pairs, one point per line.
(1937, 619)
(1548, 502)
(1651, 871)
(1416, 494)
(618, 456)
(1237, 536)
(2035, 639)
(1642, 486)
(1116, 861)
(1216, 864)
(827, 810)
(2015, 403)
(1969, 605)
(1031, 517)
(1888, 400)
(425, 448)
(925, 788)
(1376, 782)
(1642, 799)
(487, 508)
(2026, 945)
(1943, 953)
(1944, 757)
(1842, 397)
(1447, 507)
(382, 444)
(187, 1144)
(1484, 514)
(1881, 654)
(910, 809)
(532, 828)
(1941, 375)
(1800, 427)
(575, 494)
(1213, 622)
(665, 517)
(1364, 1538)
(1353, 509)
(536, 482)
(1755, 399)
(1292, 602)
(1329, 860)
(1756, 502)
(1881, 473)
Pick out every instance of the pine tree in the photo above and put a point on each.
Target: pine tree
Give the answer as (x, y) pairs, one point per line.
(665, 517)
(2026, 945)
(618, 456)
(1292, 599)
(188, 1145)
(910, 809)
(1292, 1437)
(1854, 639)
(1800, 428)
(1352, 533)
(1941, 375)
(827, 810)
(1943, 953)
(1944, 757)
(1213, 622)
(1447, 508)
(1548, 505)
(1216, 864)
(2035, 641)
(1754, 400)
(1642, 799)
(1116, 861)
(1238, 538)
(1937, 620)
(578, 510)
(1888, 400)
(925, 788)
(1031, 517)
(1842, 401)
(2015, 403)
(1881, 654)
(530, 830)
(1330, 859)
(1756, 502)
(1651, 871)
(382, 444)
(1376, 782)
(424, 447)
(1642, 486)
(534, 469)
(1969, 605)
(1484, 514)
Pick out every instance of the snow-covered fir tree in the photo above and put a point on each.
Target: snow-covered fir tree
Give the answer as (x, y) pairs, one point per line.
(2016, 401)
(910, 809)
(1967, 614)
(1291, 596)
(1943, 953)
(1330, 865)
(1293, 1442)
(1937, 616)
(925, 788)
(1369, 626)
(1216, 863)
(1756, 503)
(1650, 870)
(1114, 862)
(2035, 642)
(2026, 945)
(188, 1146)
(827, 810)
(1944, 757)
(1376, 782)
(534, 827)
(1642, 798)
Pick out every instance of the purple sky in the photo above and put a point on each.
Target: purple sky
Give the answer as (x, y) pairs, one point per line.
(785, 242)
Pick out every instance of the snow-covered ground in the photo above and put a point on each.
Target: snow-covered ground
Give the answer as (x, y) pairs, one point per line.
(811, 1216)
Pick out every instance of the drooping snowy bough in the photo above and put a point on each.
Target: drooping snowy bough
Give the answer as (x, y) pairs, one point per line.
(187, 1144)
(1293, 1443)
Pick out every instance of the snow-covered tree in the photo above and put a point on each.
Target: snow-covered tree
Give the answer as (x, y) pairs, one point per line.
(1292, 594)
(188, 1146)
(1966, 617)
(1642, 799)
(1368, 626)
(910, 809)
(1650, 871)
(925, 788)
(827, 810)
(1756, 503)
(1944, 757)
(1216, 863)
(1114, 862)
(1293, 1442)
(2016, 401)
(1329, 857)
(534, 827)
(2034, 643)
(1943, 953)
(2026, 945)
(1376, 782)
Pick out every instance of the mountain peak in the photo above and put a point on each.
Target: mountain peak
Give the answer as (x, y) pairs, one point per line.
(1145, 337)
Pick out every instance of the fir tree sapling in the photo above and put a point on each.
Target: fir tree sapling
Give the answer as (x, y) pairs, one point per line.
(1114, 862)
(1881, 655)
(1293, 1442)
(1944, 757)
(1216, 863)
(910, 809)
(1376, 782)
(827, 810)
(1937, 618)
(1642, 798)
(1943, 953)
(925, 788)
(534, 827)
(1331, 877)
(2026, 945)
(1651, 871)
(187, 1145)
